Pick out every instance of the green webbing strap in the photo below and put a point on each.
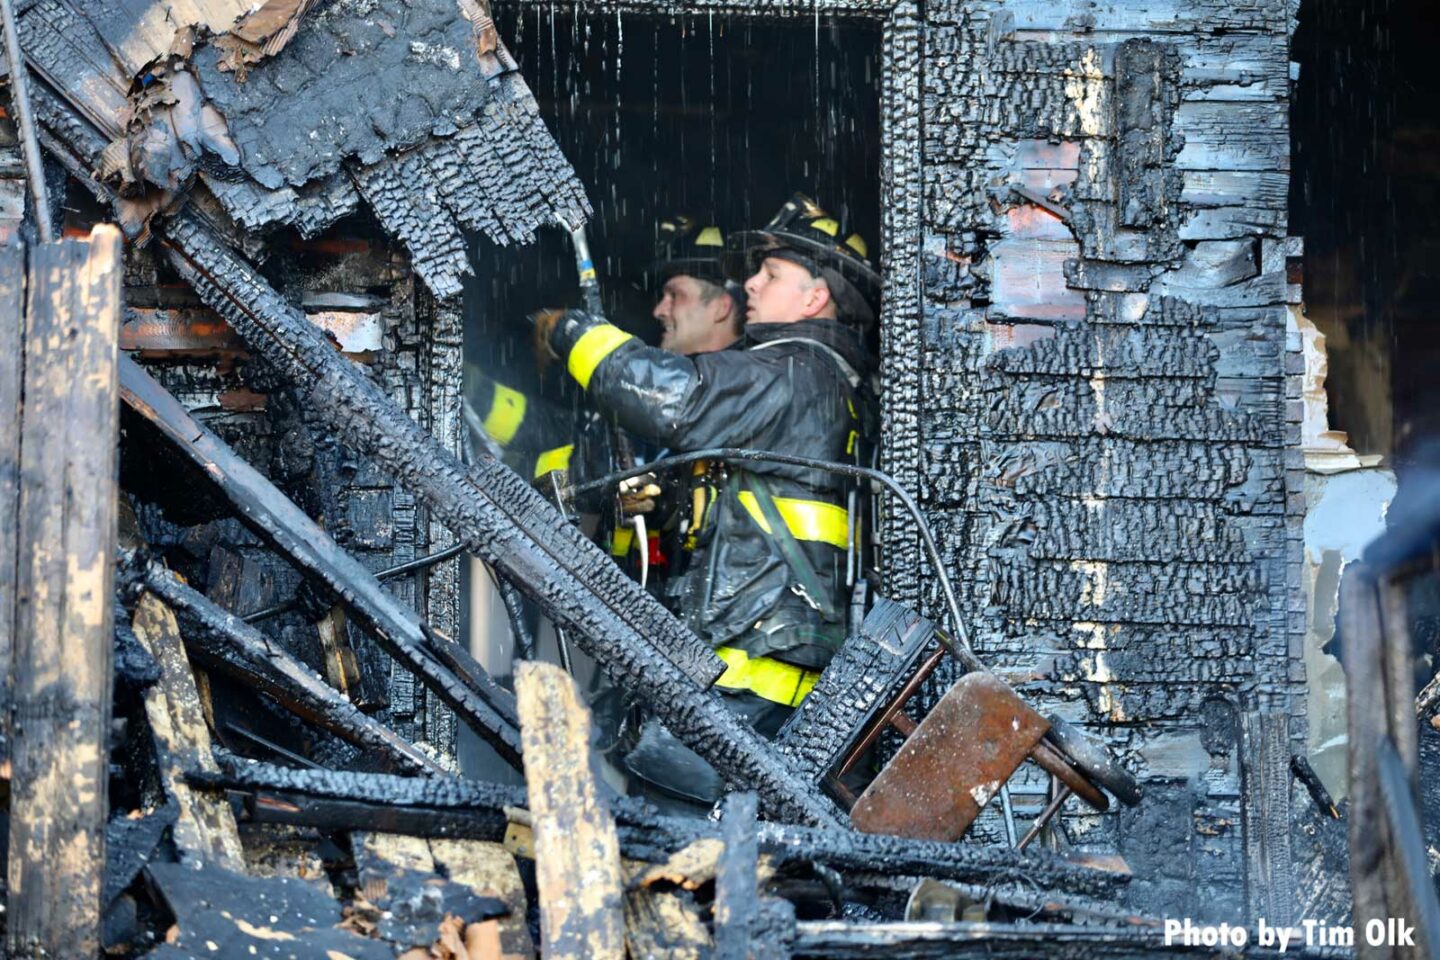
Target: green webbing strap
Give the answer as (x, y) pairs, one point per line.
(810, 588)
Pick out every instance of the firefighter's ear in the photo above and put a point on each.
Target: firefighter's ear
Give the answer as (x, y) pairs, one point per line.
(721, 307)
(817, 299)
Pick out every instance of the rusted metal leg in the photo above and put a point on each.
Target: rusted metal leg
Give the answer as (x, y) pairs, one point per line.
(1051, 808)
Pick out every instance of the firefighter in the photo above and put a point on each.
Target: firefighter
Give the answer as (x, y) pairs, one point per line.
(700, 308)
(762, 579)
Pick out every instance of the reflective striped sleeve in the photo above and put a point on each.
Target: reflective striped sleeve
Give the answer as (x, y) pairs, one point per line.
(584, 342)
(501, 420)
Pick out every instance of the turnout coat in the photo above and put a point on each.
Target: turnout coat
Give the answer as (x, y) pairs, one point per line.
(763, 575)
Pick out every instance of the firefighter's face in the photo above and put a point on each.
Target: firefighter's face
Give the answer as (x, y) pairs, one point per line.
(688, 322)
(783, 292)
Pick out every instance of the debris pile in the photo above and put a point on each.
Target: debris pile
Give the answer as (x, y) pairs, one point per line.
(411, 857)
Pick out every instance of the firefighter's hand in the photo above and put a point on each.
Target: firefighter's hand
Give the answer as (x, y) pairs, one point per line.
(544, 325)
(637, 494)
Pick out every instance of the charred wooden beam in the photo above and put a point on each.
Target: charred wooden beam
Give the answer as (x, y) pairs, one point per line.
(443, 665)
(737, 901)
(1388, 866)
(222, 641)
(469, 808)
(64, 564)
(507, 523)
(301, 809)
(12, 351)
(1265, 769)
(577, 856)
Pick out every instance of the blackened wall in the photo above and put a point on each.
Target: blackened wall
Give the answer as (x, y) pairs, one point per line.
(353, 282)
(1107, 411)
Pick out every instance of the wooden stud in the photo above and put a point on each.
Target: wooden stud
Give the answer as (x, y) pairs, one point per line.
(12, 302)
(577, 855)
(62, 640)
(736, 898)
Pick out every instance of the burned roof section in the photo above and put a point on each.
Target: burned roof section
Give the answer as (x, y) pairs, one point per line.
(303, 110)
(363, 78)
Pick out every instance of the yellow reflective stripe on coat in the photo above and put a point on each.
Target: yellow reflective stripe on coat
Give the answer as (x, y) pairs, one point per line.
(620, 540)
(594, 345)
(554, 459)
(765, 677)
(812, 520)
(507, 410)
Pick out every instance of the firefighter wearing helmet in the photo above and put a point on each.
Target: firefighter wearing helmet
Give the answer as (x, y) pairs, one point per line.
(762, 575)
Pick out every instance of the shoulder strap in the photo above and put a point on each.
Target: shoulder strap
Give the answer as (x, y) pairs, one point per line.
(850, 374)
(808, 584)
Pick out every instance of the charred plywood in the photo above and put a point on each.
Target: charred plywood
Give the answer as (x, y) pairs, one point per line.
(1103, 358)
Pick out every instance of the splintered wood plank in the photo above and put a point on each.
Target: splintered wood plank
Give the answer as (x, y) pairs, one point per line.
(1265, 768)
(12, 303)
(206, 831)
(65, 575)
(577, 855)
(140, 31)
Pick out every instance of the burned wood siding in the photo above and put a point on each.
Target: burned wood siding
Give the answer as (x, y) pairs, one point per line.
(1105, 438)
(426, 378)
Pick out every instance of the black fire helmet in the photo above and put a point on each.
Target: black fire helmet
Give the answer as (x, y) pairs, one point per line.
(686, 247)
(805, 234)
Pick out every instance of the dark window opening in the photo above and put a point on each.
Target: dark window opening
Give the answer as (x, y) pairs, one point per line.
(715, 117)
(1366, 134)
